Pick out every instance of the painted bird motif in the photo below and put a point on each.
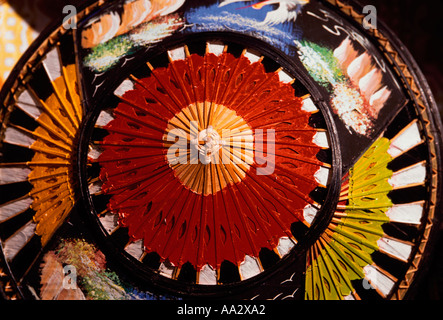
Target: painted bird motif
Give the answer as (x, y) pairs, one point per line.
(287, 9)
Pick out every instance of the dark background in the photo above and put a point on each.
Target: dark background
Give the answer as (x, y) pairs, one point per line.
(418, 24)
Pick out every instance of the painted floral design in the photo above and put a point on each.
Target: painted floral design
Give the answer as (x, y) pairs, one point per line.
(113, 36)
(94, 280)
(355, 83)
